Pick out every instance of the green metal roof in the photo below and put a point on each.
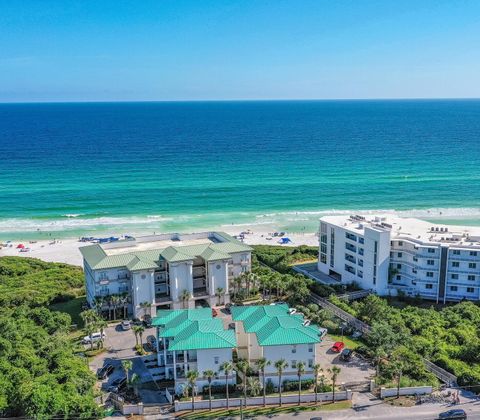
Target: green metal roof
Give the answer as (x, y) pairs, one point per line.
(97, 258)
(274, 326)
(193, 329)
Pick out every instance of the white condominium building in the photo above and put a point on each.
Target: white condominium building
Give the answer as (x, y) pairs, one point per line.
(169, 271)
(392, 255)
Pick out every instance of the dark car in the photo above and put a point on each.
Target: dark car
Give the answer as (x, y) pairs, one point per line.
(118, 384)
(105, 371)
(346, 355)
(453, 414)
(152, 343)
(147, 321)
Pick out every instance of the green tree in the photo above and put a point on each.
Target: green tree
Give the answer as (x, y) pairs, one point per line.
(300, 372)
(316, 371)
(253, 384)
(219, 294)
(280, 365)
(227, 367)
(209, 374)
(135, 330)
(192, 376)
(242, 366)
(185, 296)
(261, 364)
(127, 367)
(334, 372)
(146, 307)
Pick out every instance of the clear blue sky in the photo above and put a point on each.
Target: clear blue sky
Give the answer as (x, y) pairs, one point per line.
(177, 50)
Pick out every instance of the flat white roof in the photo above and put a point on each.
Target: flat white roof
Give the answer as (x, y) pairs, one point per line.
(409, 228)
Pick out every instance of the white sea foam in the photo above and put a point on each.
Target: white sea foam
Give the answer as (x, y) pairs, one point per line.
(71, 222)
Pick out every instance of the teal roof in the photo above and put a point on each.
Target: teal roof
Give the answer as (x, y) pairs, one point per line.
(274, 326)
(193, 329)
(97, 258)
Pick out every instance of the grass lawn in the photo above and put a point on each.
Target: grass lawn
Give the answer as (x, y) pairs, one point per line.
(350, 343)
(260, 411)
(73, 308)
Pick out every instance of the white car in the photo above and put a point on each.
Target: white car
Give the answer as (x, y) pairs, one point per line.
(126, 325)
(95, 337)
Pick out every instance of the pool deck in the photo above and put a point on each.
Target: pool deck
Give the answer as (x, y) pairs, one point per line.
(311, 270)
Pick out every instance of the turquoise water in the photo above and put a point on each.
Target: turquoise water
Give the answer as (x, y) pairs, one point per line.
(78, 169)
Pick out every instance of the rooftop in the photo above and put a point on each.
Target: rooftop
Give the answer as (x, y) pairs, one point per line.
(193, 329)
(145, 252)
(275, 326)
(416, 230)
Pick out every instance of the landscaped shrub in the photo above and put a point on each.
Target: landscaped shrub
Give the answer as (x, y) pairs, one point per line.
(219, 389)
(293, 385)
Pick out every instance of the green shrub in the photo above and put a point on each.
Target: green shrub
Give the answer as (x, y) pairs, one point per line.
(293, 385)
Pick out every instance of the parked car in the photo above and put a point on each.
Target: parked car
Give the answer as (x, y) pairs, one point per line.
(152, 343)
(126, 325)
(338, 346)
(346, 355)
(147, 321)
(457, 413)
(118, 384)
(105, 371)
(215, 312)
(95, 337)
(322, 332)
(137, 321)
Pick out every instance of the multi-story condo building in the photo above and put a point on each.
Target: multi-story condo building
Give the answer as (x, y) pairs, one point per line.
(167, 271)
(392, 255)
(276, 332)
(190, 339)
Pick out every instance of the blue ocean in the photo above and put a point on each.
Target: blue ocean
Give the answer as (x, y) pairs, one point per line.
(84, 168)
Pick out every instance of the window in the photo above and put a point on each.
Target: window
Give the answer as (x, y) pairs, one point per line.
(310, 363)
(350, 236)
(429, 273)
(431, 250)
(360, 251)
(415, 259)
(455, 264)
(471, 277)
(429, 286)
(361, 240)
(470, 289)
(294, 364)
(456, 252)
(323, 259)
(473, 253)
(399, 266)
(310, 348)
(472, 265)
(400, 254)
(400, 243)
(454, 276)
(104, 291)
(294, 349)
(360, 274)
(216, 360)
(430, 262)
(453, 288)
(399, 277)
(360, 263)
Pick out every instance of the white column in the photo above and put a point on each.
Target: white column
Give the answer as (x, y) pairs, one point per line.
(185, 363)
(174, 367)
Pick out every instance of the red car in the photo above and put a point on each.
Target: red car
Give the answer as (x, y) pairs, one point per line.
(338, 346)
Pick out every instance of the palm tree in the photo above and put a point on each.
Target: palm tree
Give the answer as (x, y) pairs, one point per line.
(115, 302)
(227, 367)
(141, 330)
(89, 316)
(280, 365)
(219, 293)
(378, 357)
(185, 296)
(124, 299)
(316, 371)
(253, 386)
(101, 324)
(397, 366)
(209, 374)
(242, 366)
(134, 382)
(334, 372)
(90, 329)
(192, 376)
(127, 366)
(262, 363)
(135, 331)
(145, 306)
(300, 372)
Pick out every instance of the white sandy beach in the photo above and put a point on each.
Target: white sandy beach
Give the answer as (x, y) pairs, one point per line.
(66, 250)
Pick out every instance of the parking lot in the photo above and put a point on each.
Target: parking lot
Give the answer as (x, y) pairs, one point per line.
(120, 346)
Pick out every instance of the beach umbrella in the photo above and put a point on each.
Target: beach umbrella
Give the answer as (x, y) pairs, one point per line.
(20, 246)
